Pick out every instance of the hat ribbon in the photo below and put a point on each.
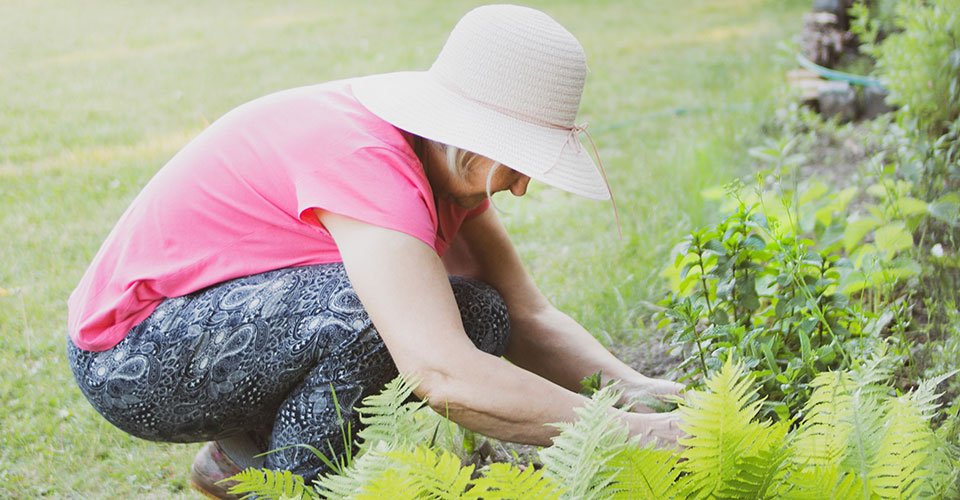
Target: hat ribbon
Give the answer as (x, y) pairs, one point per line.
(573, 137)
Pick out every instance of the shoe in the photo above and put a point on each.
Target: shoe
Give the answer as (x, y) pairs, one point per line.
(210, 466)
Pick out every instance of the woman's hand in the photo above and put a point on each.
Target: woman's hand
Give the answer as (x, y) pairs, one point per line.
(661, 428)
(649, 395)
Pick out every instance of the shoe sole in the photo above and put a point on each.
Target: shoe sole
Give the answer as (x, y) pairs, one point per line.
(203, 491)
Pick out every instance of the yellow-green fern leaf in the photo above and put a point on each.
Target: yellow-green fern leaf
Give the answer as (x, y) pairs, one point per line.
(579, 459)
(507, 481)
(866, 430)
(266, 483)
(828, 481)
(364, 470)
(725, 448)
(904, 447)
(388, 417)
(823, 436)
(421, 473)
(765, 469)
(913, 461)
(645, 472)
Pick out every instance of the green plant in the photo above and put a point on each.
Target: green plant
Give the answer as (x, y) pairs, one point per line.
(856, 439)
(802, 277)
(748, 288)
(268, 483)
(919, 64)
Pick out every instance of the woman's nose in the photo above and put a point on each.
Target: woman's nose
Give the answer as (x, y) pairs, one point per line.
(519, 187)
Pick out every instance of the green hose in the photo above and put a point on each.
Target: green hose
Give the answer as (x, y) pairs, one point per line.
(831, 74)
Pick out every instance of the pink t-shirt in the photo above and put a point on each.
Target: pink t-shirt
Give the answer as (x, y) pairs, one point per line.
(239, 199)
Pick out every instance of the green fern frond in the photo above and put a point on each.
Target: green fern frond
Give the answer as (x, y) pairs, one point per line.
(926, 397)
(823, 436)
(855, 427)
(819, 483)
(393, 484)
(844, 425)
(727, 453)
(419, 473)
(579, 459)
(506, 481)
(387, 416)
(266, 483)
(872, 375)
(364, 470)
(645, 472)
(866, 419)
(905, 447)
(764, 471)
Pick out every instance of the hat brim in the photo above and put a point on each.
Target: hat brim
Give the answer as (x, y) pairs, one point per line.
(414, 101)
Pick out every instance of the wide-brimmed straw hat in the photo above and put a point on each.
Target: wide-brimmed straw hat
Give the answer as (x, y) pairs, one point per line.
(507, 86)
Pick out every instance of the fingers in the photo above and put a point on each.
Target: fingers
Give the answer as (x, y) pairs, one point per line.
(661, 429)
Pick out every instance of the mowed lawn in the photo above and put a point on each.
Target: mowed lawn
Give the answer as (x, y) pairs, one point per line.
(95, 96)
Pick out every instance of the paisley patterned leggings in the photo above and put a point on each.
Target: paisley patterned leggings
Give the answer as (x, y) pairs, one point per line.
(258, 355)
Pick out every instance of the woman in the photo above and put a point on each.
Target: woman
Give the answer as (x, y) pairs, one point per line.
(305, 244)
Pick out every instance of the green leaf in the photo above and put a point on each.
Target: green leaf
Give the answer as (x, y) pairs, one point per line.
(946, 209)
(580, 459)
(893, 238)
(814, 191)
(768, 355)
(755, 242)
(715, 246)
(856, 230)
(501, 480)
(432, 473)
(591, 383)
(267, 483)
(908, 206)
(645, 473)
(804, 346)
(728, 455)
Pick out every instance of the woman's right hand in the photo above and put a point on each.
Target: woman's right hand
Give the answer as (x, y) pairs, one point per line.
(662, 427)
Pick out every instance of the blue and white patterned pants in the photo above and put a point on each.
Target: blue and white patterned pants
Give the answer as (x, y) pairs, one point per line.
(259, 354)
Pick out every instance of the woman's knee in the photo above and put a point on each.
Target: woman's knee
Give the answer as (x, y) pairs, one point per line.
(484, 314)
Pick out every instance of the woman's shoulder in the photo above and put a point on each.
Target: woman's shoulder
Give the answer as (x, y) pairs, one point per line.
(325, 114)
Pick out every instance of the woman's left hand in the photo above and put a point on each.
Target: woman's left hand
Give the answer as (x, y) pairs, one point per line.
(649, 395)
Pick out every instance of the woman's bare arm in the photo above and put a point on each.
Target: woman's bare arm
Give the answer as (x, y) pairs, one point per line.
(404, 287)
(544, 340)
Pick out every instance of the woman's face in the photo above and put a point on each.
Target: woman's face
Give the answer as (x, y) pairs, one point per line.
(470, 189)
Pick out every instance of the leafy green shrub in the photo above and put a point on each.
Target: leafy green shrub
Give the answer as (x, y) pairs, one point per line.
(793, 287)
(920, 64)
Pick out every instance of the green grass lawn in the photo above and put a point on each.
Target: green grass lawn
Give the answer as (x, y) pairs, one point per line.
(95, 96)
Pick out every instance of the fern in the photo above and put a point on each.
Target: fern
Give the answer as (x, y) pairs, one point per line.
(904, 448)
(822, 439)
(428, 473)
(866, 418)
(854, 428)
(580, 459)
(856, 441)
(645, 473)
(764, 471)
(728, 454)
(819, 483)
(387, 417)
(266, 483)
(364, 470)
(507, 481)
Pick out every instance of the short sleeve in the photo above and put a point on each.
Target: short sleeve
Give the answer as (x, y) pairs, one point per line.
(376, 185)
